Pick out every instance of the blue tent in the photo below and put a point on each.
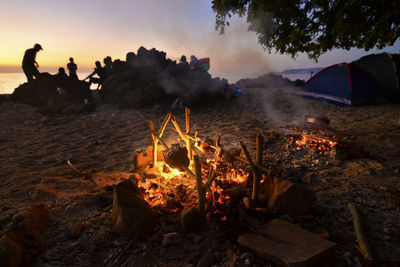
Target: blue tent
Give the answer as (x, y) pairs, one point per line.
(345, 84)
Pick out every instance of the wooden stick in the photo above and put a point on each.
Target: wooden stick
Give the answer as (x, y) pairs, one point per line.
(187, 140)
(260, 167)
(155, 143)
(362, 241)
(161, 141)
(199, 185)
(164, 124)
(254, 195)
(178, 129)
(259, 154)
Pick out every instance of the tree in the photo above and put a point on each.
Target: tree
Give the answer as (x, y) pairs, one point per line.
(314, 27)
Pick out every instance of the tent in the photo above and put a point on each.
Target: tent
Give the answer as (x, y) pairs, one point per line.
(385, 68)
(345, 84)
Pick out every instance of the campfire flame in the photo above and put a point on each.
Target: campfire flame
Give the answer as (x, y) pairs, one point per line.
(172, 184)
(317, 143)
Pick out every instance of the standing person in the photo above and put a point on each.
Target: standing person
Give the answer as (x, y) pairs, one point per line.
(99, 70)
(72, 68)
(29, 64)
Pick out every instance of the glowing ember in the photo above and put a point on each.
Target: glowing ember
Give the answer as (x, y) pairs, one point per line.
(317, 143)
(177, 187)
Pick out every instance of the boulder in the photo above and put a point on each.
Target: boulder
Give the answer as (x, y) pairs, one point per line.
(131, 214)
(22, 239)
(53, 93)
(149, 79)
(286, 197)
(286, 244)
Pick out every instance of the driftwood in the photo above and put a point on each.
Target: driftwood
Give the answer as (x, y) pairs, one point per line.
(362, 241)
(199, 185)
(187, 140)
(256, 176)
(258, 166)
(254, 195)
(155, 139)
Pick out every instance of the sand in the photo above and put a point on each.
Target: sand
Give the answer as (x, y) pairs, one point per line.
(34, 150)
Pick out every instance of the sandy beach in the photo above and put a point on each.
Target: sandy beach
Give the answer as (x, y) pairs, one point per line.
(34, 150)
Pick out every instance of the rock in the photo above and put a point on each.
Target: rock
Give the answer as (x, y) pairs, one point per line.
(54, 94)
(207, 260)
(22, 239)
(171, 239)
(150, 79)
(144, 157)
(247, 202)
(75, 229)
(286, 197)
(287, 244)
(176, 157)
(131, 214)
(191, 219)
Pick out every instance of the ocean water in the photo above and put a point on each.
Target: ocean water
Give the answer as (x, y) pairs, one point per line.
(10, 81)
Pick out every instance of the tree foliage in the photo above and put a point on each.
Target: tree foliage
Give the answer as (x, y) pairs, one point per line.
(315, 26)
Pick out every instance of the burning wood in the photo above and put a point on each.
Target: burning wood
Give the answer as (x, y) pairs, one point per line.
(316, 142)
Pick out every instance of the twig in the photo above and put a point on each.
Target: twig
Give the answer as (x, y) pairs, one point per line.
(74, 168)
(155, 143)
(362, 241)
(200, 190)
(164, 125)
(187, 140)
(254, 195)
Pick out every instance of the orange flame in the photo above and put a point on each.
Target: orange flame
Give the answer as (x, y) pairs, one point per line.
(319, 144)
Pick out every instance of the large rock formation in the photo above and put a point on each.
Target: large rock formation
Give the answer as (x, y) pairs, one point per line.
(148, 79)
(55, 94)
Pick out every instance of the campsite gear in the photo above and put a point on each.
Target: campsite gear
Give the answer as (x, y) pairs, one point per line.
(386, 69)
(238, 90)
(205, 63)
(345, 84)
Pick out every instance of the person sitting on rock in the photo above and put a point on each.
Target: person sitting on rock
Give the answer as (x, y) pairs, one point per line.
(72, 68)
(183, 60)
(61, 73)
(29, 64)
(194, 63)
(99, 70)
(108, 65)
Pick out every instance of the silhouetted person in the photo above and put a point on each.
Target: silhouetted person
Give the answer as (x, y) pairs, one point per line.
(108, 65)
(72, 68)
(61, 73)
(194, 63)
(183, 60)
(99, 70)
(29, 64)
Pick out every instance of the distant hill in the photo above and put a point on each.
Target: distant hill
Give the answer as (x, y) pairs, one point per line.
(300, 71)
(269, 80)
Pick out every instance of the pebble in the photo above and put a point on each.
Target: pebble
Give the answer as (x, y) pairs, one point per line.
(207, 260)
(171, 239)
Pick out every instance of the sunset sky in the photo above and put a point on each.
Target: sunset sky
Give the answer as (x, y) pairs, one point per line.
(92, 30)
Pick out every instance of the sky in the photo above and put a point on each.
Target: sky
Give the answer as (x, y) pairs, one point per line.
(91, 30)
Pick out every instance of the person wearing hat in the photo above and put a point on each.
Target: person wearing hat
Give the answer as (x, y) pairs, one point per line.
(29, 64)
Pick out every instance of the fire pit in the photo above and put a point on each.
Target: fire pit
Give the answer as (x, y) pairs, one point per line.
(179, 176)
